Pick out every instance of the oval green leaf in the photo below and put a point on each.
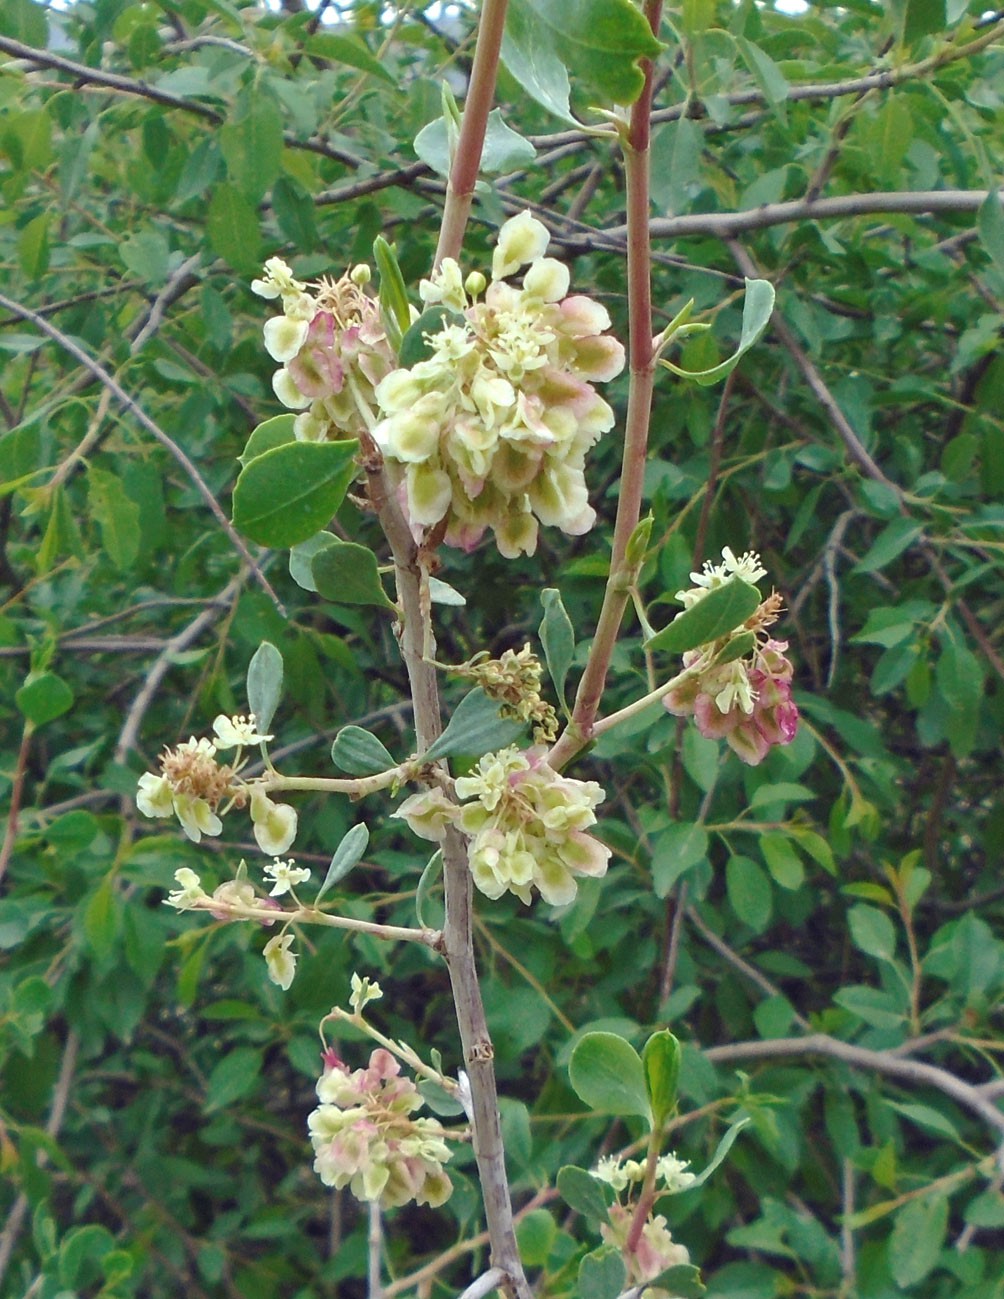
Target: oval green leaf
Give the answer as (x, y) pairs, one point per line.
(346, 573)
(722, 610)
(607, 1074)
(475, 728)
(359, 753)
(289, 493)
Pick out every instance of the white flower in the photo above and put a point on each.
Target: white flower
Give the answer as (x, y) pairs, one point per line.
(284, 337)
(280, 960)
(363, 991)
(278, 279)
(274, 823)
(674, 1173)
(747, 567)
(154, 796)
(190, 892)
(196, 816)
(236, 731)
(522, 239)
(285, 876)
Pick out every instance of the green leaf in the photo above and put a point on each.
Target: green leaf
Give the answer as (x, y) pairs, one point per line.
(43, 697)
(990, 225)
(79, 1246)
(922, 18)
(431, 873)
(599, 42)
(535, 1234)
(683, 1281)
(766, 74)
(264, 684)
(721, 1150)
(232, 1077)
(660, 1057)
(872, 931)
(584, 1193)
(959, 675)
(721, 611)
(116, 515)
(348, 854)
(33, 247)
(607, 1074)
(917, 1238)
(350, 51)
(757, 309)
(27, 138)
(233, 230)
(301, 558)
(749, 893)
(414, 346)
(872, 1005)
(504, 149)
(558, 639)
(268, 435)
(676, 163)
(145, 254)
(394, 305)
(442, 593)
(359, 752)
(294, 211)
(346, 573)
(25, 21)
(601, 1274)
(782, 860)
(101, 918)
(475, 728)
(252, 146)
(289, 493)
(891, 541)
(677, 850)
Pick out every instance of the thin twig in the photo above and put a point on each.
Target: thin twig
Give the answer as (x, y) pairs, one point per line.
(16, 793)
(132, 407)
(859, 1057)
(737, 962)
(60, 1098)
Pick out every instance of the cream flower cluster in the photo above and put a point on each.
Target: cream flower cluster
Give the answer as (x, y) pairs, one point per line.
(492, 429)
(331, 345)
(620, 1173)
(198, 789)
(365, 1138)
(526, 824)
(748, 700)
(280, 960)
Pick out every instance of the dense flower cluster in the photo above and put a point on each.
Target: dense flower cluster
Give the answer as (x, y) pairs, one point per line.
(514, 681)
(331, 345)
(365, 1138)
(197, 788)
(492, 429)
(748, 700)
(526, 825)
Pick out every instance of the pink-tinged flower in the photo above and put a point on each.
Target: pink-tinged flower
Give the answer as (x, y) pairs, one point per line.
(747, 702)
(364, 1136)
(492, 429)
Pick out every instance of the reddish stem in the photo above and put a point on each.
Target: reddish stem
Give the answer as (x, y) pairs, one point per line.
(642, 371)
(477, 106)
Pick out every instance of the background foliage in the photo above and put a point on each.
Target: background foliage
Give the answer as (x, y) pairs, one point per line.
(155, 1084)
